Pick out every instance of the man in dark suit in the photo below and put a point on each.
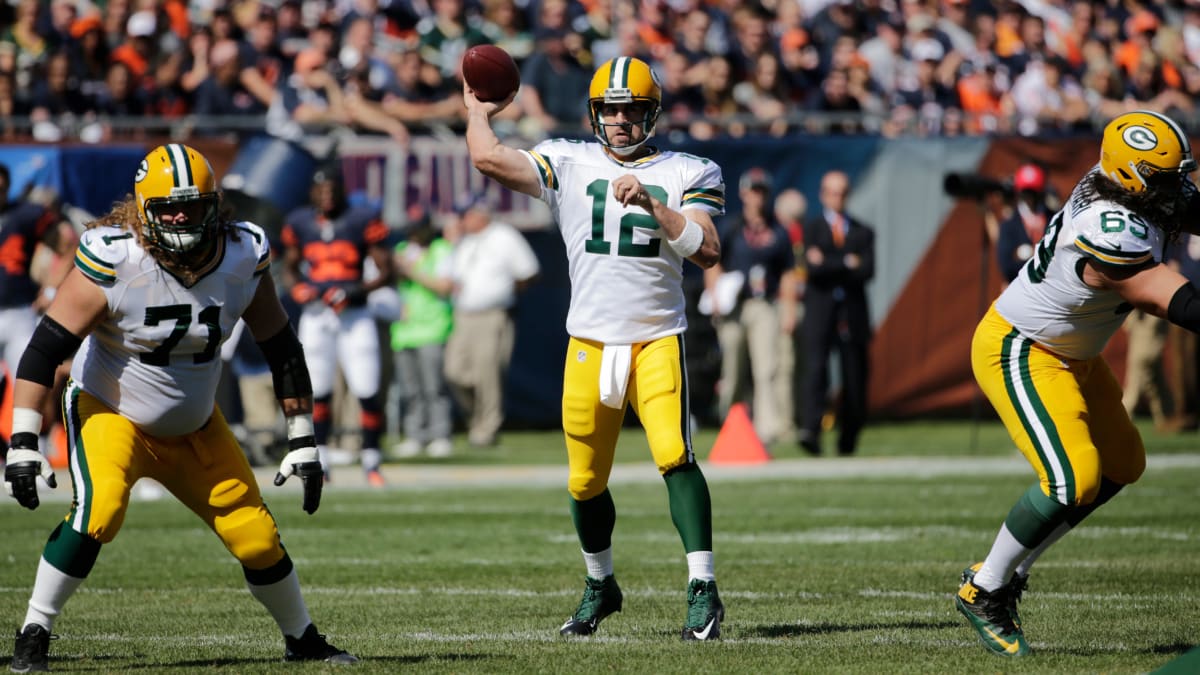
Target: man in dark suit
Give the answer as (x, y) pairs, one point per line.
(840, 252)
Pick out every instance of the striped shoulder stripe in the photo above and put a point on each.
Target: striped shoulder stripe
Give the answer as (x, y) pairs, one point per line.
(1111, 256)
(264, 263)
(549, 177)
(707, 196)
(93, 267)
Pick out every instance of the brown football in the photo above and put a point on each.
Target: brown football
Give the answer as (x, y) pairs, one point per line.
(490, 72)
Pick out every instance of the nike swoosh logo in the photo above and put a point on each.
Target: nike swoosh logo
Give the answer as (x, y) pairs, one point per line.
(1009, 647)
(703, 634)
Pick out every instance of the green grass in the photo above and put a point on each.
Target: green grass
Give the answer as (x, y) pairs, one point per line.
(834, 575)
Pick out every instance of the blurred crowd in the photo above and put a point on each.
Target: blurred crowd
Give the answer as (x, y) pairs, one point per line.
(88, 69)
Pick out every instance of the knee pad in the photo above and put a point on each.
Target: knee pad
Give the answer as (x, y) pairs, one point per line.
(251, 536)
(579, 415)
(585, 486)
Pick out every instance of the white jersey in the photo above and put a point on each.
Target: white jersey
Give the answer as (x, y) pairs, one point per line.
(1048, 301)
(625, 279)
(155, 358)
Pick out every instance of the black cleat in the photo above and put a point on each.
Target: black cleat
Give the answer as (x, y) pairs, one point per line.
(312, 647)
(601, 597)
(31, 653)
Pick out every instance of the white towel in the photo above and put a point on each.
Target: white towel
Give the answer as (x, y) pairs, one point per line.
(614, 374)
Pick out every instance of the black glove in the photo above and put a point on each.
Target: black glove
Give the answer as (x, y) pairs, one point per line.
(23, 465)
(305, 463)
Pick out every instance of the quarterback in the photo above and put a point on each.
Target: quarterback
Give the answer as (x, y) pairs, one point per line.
(157, 286)
(629, 215)
(1036, 353)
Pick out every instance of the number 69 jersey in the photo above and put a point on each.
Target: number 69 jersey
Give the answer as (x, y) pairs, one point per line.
(154, 358)
(1049, 303)
(625, 279)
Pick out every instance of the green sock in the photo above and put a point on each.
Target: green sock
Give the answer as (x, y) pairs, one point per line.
(594, 521)
(1035, 516)
(691, 507)
(70, 552)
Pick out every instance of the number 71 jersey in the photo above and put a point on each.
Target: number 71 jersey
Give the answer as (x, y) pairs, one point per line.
(155, 358)
(1049, 303)
(625, 279)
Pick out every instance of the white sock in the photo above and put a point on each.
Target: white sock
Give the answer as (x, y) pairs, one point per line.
(1004, 557)
(283, 600)
(51, 590)
(700, 566)
(599, 565)
(1023, 568)
(371, 459)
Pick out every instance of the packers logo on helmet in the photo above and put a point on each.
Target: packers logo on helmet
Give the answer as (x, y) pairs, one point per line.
(177, 200)
(624, 80)
(1143, 149)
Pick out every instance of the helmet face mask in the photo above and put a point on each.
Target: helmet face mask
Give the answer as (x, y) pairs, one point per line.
(178, 203)
(627, 85)
(1144, 150)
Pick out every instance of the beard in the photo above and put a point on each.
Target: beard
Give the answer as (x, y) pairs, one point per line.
(1164, 206)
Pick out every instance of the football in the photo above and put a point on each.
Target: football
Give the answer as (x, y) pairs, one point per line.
(490, 72)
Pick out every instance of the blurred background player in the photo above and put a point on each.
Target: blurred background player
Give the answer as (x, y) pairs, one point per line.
(326, 246)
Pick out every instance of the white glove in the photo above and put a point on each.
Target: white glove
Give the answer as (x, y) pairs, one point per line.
(22, 467)
(305, 463)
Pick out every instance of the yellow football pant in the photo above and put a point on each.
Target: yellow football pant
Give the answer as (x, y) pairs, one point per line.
(1064, 415)
(206, 470)
(658, 392)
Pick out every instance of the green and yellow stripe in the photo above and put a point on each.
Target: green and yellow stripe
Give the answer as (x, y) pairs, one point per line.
(94, 267)
(714, 197)
(549, 177)
(264, 263)
(1112, 256)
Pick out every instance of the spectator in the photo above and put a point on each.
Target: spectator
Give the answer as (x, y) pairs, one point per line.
(140, 47)
(419, 340)
(312, 97)
(447, 34)
(1020, 232)
(412, 100)
(750, 332)
(359, 62)
(56, 100)
(1183, 346)
(24, 227)
(554, 82)
(326, 245)
(120, 96)
(492, 264)
(716, 89)
(222, 93)
(505, 26)
(32, 47)
(840, 253)
(1044, 99)
(11, 107)
(89, 55)
(834, 98)
(1145, 379)
(762, 97)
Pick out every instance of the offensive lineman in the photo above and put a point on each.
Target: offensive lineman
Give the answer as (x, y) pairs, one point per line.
(157, 285)
(629, 215)
(1036, 353)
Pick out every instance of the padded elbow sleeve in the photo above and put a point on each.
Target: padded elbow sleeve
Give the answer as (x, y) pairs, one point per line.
(285, 356)
(1184, 309)
(49, 346)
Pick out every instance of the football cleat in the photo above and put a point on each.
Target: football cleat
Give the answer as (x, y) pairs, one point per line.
(375, 479)
(311, 646)
(705, 611)
(601, 597)
(990, 615)
(1015, 587)
(31, 653)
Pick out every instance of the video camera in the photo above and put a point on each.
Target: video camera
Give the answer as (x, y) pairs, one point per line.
(975, 186)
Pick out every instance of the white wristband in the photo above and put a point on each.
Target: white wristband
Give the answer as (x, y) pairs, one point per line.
(26, 420)
(300, 425)
(689, 241)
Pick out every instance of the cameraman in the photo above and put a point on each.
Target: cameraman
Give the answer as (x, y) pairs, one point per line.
(1023, 229)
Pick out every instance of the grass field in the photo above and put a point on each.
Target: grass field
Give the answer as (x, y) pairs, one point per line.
(821, 571)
